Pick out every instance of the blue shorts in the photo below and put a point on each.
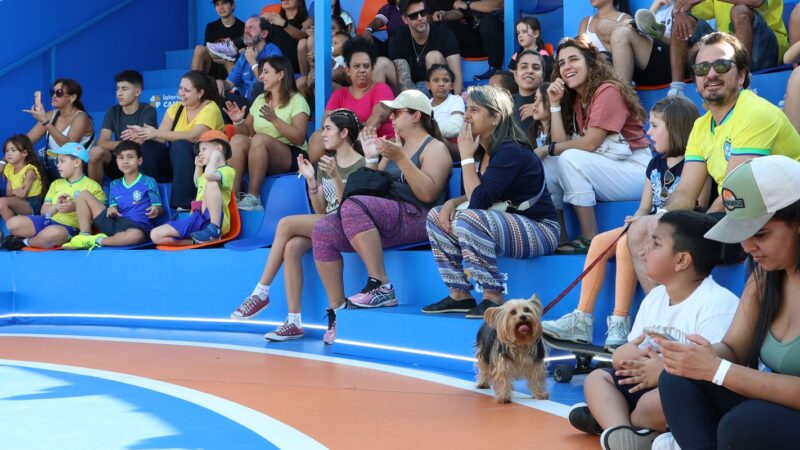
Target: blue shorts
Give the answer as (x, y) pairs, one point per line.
(42, 222)
(195, 222)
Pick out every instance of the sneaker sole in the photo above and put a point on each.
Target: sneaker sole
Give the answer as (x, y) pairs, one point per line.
(443, 311)
(377, 305)
(221, 56)
(560, 338)
(251, 208)
(277, 338)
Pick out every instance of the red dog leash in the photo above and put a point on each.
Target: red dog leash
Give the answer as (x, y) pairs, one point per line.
(585, 272)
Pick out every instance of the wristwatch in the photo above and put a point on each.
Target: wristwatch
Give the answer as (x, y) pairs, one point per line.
(468, 3)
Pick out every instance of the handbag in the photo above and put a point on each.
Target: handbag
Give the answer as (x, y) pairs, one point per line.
(504, 205)
(366, 181)
(614, 146)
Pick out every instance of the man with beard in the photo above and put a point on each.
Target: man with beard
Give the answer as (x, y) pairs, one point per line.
(738, 126)
(244, 74)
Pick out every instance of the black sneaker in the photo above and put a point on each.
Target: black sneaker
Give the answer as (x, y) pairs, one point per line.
(624, 437)
(12, 243)
(477, 312)
(486, 75)
(450, 305)
(582, 419)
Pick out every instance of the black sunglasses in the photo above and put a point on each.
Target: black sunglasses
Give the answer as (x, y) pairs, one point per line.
(58, 93)
(720, 66)
(669, 178)
(416, 15)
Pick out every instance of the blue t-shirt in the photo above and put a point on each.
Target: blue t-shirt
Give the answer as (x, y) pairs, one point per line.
(242, 75)
(133, 201)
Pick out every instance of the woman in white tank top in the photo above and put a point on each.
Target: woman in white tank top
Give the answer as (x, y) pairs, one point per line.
(608, 18)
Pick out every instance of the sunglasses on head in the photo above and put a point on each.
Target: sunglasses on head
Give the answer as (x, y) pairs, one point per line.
(416, 15)
(669, 178)
(720, 66)
(57, 93)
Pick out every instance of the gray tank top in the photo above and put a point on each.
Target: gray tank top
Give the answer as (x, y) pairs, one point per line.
(401, 187)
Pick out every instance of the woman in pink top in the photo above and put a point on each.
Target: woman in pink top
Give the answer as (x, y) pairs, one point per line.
(363, 97)
(599, 149)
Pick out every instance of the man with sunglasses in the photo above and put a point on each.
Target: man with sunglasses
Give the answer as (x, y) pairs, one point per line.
(738, 127)
(758, 24)
(416, 48)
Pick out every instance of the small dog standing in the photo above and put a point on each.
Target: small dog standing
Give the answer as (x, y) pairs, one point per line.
(509, 346)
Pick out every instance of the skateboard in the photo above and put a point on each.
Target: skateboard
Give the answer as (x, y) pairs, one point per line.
(584, 354)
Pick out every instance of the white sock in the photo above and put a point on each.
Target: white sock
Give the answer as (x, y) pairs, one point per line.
(99, 242)
(295, 319)
(261, 291)
(25, 241)
(677, 87)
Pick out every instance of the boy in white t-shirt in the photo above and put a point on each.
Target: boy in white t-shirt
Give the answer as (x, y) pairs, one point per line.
(625, 400)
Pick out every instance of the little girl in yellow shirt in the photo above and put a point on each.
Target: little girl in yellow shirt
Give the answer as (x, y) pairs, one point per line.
(21, 169)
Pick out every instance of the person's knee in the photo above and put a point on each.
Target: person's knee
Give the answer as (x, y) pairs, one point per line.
(434, 57)
(742, 15)
(262, 142)
(295, 247)
(597, 379)
(14, 224)
(621, 36)
(96, 155)
(240, 142)
(200, 49)
(739, 429)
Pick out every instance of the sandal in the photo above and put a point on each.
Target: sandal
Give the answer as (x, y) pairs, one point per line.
(577, 246)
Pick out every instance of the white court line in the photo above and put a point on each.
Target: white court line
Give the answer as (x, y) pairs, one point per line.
(274, 431)
(547, 406)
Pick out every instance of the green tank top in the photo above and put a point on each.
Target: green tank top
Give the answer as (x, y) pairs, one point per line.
(781, 357)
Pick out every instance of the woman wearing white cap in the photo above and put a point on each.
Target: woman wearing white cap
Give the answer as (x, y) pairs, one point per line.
(419, 166)
(498, 166)
(714, 396)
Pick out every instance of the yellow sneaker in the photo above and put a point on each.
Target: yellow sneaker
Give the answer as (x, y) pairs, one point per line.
(83, 242)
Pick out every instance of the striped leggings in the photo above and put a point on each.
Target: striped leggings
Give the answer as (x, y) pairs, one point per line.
(478, 238)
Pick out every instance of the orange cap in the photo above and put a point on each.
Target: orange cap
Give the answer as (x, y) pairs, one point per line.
(213, 135)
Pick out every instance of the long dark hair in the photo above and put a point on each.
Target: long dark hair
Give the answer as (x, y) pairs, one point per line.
(344, 119)
(302, 12)
(72, 87)
(23, 143)
(201, 81)
(769, 285)
(534, 25)
(280, 64)
(538, 128)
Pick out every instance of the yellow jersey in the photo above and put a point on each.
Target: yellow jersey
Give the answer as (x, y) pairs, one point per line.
(62, 186)
(227, 175)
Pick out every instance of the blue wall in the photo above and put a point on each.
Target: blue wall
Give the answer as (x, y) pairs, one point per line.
(135, 36)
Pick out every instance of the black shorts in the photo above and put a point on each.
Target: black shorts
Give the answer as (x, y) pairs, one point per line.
(657, 71)
(631, 399)
(113, 225)
(296, 151)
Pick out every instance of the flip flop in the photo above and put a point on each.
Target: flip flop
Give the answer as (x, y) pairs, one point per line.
(577, 246)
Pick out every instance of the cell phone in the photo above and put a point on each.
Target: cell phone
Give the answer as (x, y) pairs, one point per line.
(668, 333)
(37, 97)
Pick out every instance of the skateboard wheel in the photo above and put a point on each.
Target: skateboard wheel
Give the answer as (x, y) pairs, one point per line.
(562, 374)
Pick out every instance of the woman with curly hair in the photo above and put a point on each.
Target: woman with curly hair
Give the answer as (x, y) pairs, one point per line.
(596, 130)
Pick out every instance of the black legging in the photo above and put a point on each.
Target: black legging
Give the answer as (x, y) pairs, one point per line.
(488, 41)
(704, 416)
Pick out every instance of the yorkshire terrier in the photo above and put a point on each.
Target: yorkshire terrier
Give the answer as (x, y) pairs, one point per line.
(509, 346)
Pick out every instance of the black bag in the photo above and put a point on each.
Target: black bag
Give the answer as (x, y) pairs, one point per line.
(366, 181)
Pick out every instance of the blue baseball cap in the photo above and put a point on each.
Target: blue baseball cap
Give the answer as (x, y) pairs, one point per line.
(73, 149)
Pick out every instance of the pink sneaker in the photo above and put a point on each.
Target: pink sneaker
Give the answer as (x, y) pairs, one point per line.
(286, 332)
(330, 333)
(225, 50)
(250, 308)
(374, 295)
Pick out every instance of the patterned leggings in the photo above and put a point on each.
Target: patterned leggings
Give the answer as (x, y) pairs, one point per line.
(398, 223)
(478, 238)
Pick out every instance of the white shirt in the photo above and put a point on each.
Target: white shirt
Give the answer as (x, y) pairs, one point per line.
(664, 15)
(708, 311)
(449, 123)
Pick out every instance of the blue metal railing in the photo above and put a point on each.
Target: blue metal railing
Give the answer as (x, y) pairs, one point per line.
(51, 47)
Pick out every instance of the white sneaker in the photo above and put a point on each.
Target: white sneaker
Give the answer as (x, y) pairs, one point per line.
(250, 202)
(665, 441)
(617, 333)
(575, 327)
(677, 89)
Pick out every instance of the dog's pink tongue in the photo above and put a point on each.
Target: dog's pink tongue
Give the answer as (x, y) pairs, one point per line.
(524, 329)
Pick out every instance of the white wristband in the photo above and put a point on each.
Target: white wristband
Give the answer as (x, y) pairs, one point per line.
(555, 109)
(661, 211)
(466, 161)
(371, 160)
(239, 122)
(722, 370)
(254, 67)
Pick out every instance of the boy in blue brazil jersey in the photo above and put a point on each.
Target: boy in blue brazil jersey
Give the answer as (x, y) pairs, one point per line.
(133, 203)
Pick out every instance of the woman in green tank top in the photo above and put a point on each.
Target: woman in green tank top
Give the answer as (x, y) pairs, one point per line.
(716, 396)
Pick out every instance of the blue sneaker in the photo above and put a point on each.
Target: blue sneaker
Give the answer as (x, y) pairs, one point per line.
(208, 234)
(486, 75)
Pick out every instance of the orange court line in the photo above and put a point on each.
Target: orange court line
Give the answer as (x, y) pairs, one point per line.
(342, 407)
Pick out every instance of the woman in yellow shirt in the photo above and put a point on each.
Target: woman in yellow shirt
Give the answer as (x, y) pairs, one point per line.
(197, 112)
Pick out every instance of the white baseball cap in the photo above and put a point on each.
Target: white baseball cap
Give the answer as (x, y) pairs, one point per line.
(410, 99)
(752, 193)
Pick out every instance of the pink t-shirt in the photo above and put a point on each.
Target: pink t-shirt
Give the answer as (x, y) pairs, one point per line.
(608, 112)
(362, 107)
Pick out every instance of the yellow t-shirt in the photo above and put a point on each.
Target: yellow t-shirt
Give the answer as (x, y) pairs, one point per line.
(297, 105)
(771, 10)
(210, 116)
(227, 174)
(753, 127)
(62, 186)
(16, 180)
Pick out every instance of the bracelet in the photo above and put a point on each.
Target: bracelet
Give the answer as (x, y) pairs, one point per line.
(371, 160)
(45, 123)
(368, 29)
(254, 67)
(551, 148)
(722, 370)
(661, 211)
(314, 190)
(466, 161)
(555, 109)
(239, 122)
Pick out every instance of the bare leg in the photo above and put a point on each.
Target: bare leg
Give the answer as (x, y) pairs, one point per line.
(791, 105)
(302, 55)
(240, 147)
(648, 412)
(587, 221)
(794, 25)
(288, 228)
(315, 148)
(267, 156)
(51, 236)
(369, 247)
(201, 59)
(606, 402)
(331, 275)
(638, 237)
(165, 234)
(212, 201)
(385, 72)
(742, 19)
(87, 206)
(131, 236)
(20, 226)
(11, 206)
(630, 49)
(98, 156)
(678, 49)
(293, 271)
(560, 215)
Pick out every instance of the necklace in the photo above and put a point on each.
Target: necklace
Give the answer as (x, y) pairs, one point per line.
(414, 47)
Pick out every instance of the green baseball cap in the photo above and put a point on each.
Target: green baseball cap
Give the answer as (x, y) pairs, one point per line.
(752, 193)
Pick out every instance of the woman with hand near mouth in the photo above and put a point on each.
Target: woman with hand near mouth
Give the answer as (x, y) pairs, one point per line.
(596, 131)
